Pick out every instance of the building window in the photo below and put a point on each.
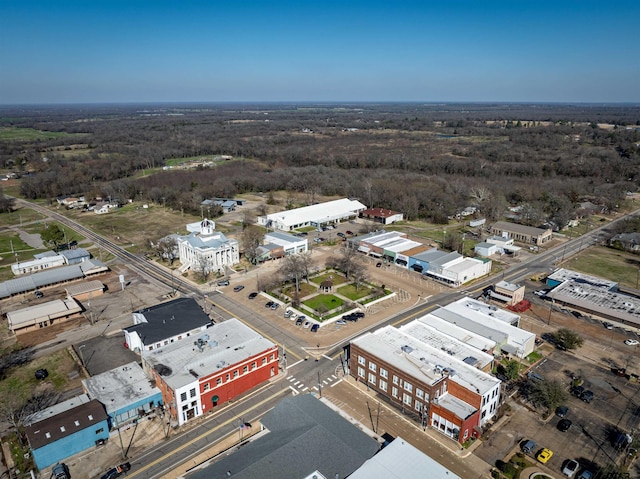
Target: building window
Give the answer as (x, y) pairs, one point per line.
(185, 407)
(419, 393)
(384, 373)
(264, 361)
(205, 387)
(218, 381)
(235, 373)
(228, 376)
(372, 378)
(406, 399)
(245, 369)
(77, 423)
(62, 429)
(394, 392)
(426, 397)
(395, 379)
(271, 357)
(100, 431)
(408, 386)
(373, 367)
(183, 397)
(383, 385)
(253, 365)
(362, 360)
(90, 417)
(192, 393)
(418, 405)
(361, 372)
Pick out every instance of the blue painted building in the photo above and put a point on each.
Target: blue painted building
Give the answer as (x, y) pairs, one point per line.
(420, 262)
(66, 429)
(126, 392)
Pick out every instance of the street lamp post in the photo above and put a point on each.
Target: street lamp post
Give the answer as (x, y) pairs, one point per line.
(80, 348)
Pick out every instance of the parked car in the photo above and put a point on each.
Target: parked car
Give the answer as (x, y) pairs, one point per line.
(293, 315)
(587, 396)
(528, 446)
(287, 313)
(577, 391)
(317, 240)
(570, 468)
(238, 288)
(631, 342)
(41, 374)
(564, 425)
(315, 328)
(350, 233)
(342, 235)
(60, 471)
(306, 325)
(341, 322)
(275, 306)
(562, 411)
(268, 304)
(379, 264)
(117, 471)
(359, 314)
(299, 321)
(253, 295)
(544, 455)
(38, 294)
(607, 326)
(223, 282)
(586, 475)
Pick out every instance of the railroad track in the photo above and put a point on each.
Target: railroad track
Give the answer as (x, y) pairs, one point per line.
(133, 260)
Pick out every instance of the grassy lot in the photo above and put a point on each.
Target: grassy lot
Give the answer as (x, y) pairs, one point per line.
(350, 291)
(29, 134)
(331, 275)
(20, 216)
(607, 263)
(134, 225)
(305, 290)
(328, 301)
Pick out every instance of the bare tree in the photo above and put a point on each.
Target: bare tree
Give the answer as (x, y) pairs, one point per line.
(203, 266)
(359, 275)
(167, 249)
(348, 261)
(251, 241)
(480, 194)
(293, 268)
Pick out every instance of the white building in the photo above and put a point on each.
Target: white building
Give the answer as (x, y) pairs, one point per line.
(456, 270)
(330, 212)
(290, 244)
(205, 247)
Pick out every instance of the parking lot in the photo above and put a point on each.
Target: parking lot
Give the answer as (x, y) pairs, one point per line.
(590, 438)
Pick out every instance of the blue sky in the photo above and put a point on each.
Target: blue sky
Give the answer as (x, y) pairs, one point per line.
(85, 51)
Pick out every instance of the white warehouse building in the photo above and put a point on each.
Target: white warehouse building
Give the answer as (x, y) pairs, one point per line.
(330, 212)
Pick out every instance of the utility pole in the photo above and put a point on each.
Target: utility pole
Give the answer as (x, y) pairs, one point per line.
(319, 385)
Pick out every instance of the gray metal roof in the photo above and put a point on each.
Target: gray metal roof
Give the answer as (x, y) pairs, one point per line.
(304, 436)
(49, 277)
(400, 460)
(72, 254)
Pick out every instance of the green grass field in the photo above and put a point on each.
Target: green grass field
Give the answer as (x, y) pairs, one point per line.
(29, 134)
(331, 276)
(350, 291)
(21, 216)
(328, 301)
(609, 264)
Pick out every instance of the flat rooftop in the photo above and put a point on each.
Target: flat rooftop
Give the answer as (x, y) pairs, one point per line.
(225, 344)
(423, 361)
(449, 344)
(120, 387)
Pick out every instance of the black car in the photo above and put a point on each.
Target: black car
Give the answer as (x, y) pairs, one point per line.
(359, 314)
(342, 235)
(238, 288)
(577, 391)
(378, 264)
(587, 396)
(117, 471)
(564, 425)
(253, 295)
(269, 304)
(41, 374)
(562, 411)
(38, 294)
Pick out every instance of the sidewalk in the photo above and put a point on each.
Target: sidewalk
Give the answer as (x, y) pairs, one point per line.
(377, 415)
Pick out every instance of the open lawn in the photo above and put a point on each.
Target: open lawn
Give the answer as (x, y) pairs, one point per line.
(29, 134)
(19, 217)
(326, 301)
(331, 276)
(22, 383)
(305, 290)
(134, 225)
(607, 263)
(350, 291)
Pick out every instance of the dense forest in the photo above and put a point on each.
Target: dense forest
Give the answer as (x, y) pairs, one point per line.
(426, 160)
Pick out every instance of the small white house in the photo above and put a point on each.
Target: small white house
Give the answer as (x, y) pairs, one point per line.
(485, 249)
